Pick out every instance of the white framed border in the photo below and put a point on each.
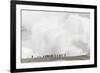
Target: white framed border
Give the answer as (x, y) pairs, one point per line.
(20, 65)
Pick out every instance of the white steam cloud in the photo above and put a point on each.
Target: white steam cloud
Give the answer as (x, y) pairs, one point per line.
(46, 33)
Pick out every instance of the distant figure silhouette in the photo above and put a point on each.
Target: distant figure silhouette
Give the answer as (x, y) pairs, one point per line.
(32, 56)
